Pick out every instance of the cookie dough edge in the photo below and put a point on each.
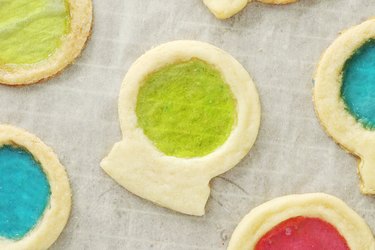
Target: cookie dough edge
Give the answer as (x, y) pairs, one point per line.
(224, 9)
(280, 2)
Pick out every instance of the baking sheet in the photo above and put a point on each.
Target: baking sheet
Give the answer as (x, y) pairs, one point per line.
(76, 114)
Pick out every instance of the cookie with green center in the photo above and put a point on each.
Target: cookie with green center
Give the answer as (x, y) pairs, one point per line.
(188, 112)
(302, 222)
(344, 96)
(224, 9)
(34, 192)
(40, 38)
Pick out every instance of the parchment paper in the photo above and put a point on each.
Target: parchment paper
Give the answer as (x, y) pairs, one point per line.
(76, 114)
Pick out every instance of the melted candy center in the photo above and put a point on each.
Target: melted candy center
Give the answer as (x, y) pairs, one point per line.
(358, 87)
(24, 192)
(186, 109)
(302, 233)
(31, 30)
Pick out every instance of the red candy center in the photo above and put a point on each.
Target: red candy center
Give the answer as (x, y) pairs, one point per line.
(301, 233)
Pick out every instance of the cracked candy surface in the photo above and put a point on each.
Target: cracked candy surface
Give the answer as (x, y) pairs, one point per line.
(186, 109)
(24, 192)
(31, 30)
(358, 89)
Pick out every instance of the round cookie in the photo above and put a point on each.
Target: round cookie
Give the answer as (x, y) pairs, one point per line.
(344, 96)
(308, 221)
(224, 9)
(34, 192)
(188, 112)
(38, 39)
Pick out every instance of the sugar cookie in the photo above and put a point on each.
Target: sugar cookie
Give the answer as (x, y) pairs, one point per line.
(188, 112)
(34, 192)
(344, 96)
(308, 221)
(223, 9)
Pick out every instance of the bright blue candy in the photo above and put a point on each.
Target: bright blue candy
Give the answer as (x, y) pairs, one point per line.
(24, 192)
(358, 88)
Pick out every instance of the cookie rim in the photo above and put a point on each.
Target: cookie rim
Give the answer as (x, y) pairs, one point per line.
(56, 214)
(226, 9)
(331, 109)
(331, 209)
(71, 47)
(222, 159)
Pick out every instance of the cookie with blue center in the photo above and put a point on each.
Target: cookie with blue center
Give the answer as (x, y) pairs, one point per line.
(188, 112)
(40, 38)
(344, 96)
(35, 193)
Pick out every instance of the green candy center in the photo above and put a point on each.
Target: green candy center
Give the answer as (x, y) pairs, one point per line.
(31, 30)
(186, 109)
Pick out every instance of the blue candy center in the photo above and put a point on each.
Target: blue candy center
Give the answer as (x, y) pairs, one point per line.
(358, 86)
(24, 192)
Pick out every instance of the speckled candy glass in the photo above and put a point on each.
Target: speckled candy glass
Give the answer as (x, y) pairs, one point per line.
(30, 31)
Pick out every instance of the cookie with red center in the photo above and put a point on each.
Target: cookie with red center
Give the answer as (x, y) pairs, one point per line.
(303, 233)
(302, 222)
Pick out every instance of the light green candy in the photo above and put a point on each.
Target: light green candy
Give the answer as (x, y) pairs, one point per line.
(31, 30)
(186, 109)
